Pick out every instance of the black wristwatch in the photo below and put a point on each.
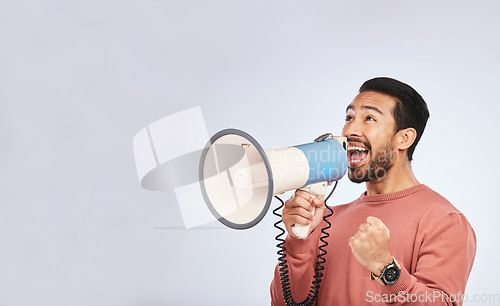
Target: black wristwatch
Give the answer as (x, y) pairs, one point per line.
(390, 274)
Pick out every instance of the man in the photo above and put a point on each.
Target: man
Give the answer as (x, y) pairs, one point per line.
(399, 242)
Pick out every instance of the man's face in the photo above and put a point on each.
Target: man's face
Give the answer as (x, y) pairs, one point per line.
(369, 128)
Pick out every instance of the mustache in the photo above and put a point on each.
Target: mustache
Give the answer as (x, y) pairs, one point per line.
(365, 143)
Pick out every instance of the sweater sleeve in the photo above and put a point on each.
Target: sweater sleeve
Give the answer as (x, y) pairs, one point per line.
(301, 257)
(443, 266)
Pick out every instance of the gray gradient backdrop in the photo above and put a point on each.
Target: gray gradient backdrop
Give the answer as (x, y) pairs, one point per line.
(78, 79)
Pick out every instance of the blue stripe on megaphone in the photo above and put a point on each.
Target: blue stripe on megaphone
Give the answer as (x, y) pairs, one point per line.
(327, 161)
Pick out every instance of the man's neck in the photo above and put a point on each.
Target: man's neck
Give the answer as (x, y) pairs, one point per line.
(399, 177)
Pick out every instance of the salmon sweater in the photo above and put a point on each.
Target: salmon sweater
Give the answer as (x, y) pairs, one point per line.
(432, 241)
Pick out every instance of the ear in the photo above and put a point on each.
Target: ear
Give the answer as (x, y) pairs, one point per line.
(405, 138)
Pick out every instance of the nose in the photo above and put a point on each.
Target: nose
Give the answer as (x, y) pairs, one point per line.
(351, 129)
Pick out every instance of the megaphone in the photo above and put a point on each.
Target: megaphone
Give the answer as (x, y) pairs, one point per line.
(238, 178)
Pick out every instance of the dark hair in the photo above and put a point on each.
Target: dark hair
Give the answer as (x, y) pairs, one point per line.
(410, 110)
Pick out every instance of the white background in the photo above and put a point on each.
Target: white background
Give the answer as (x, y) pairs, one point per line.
(78, 79)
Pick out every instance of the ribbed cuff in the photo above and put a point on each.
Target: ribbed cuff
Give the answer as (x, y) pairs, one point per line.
(302, 246)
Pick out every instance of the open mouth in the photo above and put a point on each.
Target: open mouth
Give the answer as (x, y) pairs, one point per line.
(356, 155)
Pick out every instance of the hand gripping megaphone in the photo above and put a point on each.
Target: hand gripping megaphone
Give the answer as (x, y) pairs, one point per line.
(238, 178)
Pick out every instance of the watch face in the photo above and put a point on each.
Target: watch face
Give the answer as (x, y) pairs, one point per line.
(391, 274)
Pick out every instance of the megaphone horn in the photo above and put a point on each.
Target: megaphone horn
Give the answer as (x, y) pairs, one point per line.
(239, 179)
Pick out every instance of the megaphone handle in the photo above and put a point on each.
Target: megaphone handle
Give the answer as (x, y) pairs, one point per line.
(318, 189)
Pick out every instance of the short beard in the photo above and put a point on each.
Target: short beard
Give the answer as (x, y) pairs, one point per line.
(378, 168)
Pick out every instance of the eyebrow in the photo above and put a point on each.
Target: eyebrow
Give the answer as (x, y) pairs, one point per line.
(366, 107)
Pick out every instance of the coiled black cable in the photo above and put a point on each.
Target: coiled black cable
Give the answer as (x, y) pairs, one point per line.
(283, 267)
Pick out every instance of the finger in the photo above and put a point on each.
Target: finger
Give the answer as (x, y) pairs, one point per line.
(297, 219)
(304, 194)
(373, 220)
(363, 227)
(301, 205)
(298, 211)
(298, 202)
(319, 211)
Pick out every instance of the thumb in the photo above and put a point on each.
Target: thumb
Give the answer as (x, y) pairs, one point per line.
(319, 202)
(319, 205)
